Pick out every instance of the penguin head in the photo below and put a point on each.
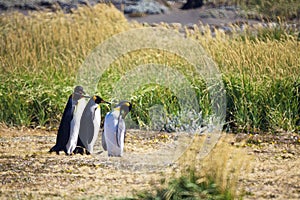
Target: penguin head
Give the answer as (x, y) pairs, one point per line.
(99, 100)
(124, 107)
(78, 92)
(79, 89)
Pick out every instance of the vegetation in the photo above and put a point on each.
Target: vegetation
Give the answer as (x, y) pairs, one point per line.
(261, 75)
(266, 9)
(187, 187)
(214, 177)
(41, 53)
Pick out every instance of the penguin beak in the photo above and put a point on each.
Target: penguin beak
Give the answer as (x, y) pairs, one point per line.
(85, 96)
(102, 101)
(81, 94)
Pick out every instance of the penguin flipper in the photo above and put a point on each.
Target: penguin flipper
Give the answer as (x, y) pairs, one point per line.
(120, 130)
(63, 132)
(104, 146)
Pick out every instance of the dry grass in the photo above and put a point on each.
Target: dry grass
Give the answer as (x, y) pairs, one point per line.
(55, 40)
(225, 164)
(41, 53)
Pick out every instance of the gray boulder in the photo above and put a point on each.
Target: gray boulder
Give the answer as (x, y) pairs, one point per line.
(146, 6)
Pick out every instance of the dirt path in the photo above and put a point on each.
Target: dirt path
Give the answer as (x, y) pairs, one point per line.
(28, 171)
(200, 16)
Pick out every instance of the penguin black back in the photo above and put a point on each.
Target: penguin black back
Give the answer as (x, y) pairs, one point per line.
(63, 133)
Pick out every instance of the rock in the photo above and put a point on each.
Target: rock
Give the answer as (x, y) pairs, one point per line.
(147, 7)
(191, 4)
(53, 5)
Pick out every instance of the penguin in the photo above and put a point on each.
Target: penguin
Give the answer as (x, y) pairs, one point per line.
(113, 136)
(63, 133)
(90, 125)
(75, 125)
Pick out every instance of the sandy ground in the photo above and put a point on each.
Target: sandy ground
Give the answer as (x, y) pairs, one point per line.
(28, 171)
(274, 172)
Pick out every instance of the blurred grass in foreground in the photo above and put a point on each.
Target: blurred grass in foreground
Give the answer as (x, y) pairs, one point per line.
(214, 177)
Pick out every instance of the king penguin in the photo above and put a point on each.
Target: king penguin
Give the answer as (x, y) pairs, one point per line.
(90, 124)
(78, 110)
(63, 133)
(114, 129)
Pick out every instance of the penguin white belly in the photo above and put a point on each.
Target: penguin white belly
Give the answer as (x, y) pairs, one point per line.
(114, 133)
(75, 125)
(120, 135)
(96, 124)
(90, 125)
(110, 128)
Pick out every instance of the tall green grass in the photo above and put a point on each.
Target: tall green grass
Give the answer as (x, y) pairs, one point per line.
(260, 73)
(40, 55)
(154, 94)
(265, 9)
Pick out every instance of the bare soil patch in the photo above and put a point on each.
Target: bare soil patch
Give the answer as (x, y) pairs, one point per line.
(27, 170)
(274, 170)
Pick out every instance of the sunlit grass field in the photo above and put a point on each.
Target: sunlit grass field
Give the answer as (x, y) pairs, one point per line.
(41, 53)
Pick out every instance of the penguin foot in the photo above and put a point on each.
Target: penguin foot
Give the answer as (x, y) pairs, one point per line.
(50, 151)
(56, 150)
(80, 150)
(110, 155)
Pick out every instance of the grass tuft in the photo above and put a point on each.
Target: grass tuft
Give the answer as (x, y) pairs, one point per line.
(214, 177)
